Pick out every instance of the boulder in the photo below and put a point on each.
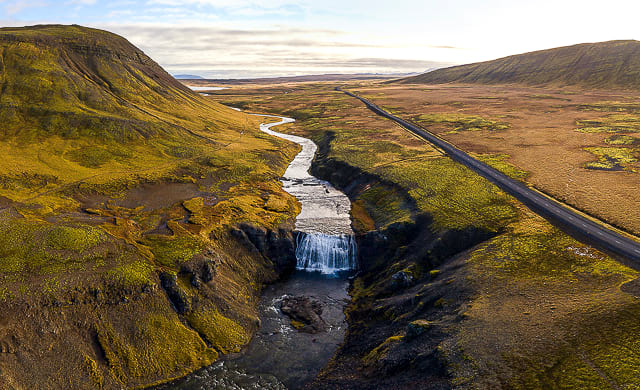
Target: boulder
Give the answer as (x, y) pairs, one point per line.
(417, 328)
(304, 313)
(402, 279)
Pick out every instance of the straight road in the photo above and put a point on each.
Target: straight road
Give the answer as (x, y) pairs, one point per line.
(573, 223)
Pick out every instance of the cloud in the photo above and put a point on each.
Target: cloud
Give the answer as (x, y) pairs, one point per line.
(240, 8)
(14, 7)
(232, 3)
(248, 37)
(219, 51)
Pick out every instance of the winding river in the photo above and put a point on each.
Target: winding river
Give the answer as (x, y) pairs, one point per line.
(279, 356)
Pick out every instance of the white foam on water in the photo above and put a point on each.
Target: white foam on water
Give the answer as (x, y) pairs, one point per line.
(326, 253)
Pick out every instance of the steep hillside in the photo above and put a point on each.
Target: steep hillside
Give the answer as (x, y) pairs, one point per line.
(614, 64)
(72, 81)
(123, 197)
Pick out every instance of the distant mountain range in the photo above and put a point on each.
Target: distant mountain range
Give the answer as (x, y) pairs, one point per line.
(187, 77)
(286, 79)
(612, 64)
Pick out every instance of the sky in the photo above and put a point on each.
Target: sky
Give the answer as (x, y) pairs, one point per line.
(251, 38)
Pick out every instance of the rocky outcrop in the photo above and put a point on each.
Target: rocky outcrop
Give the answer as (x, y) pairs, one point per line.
(402, 309)
(202, 269)
(278, 246)
(305, 313)
(177, 296)
(416, 242)
(417, 328)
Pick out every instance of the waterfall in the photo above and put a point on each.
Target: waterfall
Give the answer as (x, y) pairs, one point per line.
(325, 240)
(326, 253)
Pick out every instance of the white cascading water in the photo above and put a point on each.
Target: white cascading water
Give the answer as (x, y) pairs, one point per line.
(326, 242)
(326, 253)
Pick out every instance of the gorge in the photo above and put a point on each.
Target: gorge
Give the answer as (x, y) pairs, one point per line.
(326, 251)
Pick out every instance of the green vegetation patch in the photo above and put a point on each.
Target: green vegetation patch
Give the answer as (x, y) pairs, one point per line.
(27, 180)
(546, 253)
(499, 162)
(96, 156)
(614, 123)
(135, 274)
(224, 334)
(195, 206)
(380, 351)
(174, 250)
(385, 205)
(91, 368)
(159, 346)
(36, 246)
(547, 96)
(612, 158)
(76, 239)
(621, 139)
(455, 196)
(303, 113)
(461, 122)
(612, 106)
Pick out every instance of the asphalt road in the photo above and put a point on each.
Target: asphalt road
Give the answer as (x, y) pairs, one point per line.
(580, 227)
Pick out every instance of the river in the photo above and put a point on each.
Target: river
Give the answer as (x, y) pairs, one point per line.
(279, 356)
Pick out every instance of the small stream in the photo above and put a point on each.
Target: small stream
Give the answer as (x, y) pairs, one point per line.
(279, 356)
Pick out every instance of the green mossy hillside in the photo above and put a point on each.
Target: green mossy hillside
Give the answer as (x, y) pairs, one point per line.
(114, 175)
(84, 107)
(612, 64)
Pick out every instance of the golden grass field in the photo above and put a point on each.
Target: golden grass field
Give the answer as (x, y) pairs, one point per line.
(581, 147)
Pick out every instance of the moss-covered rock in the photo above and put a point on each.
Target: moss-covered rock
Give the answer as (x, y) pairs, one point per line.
(378, 353)
(222, 333)
(416, 328)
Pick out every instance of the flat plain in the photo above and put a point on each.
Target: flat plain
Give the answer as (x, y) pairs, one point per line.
(579, 146)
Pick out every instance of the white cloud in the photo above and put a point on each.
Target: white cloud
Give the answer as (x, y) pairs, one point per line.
(14, 7)
(232, 3)
(225, 51)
